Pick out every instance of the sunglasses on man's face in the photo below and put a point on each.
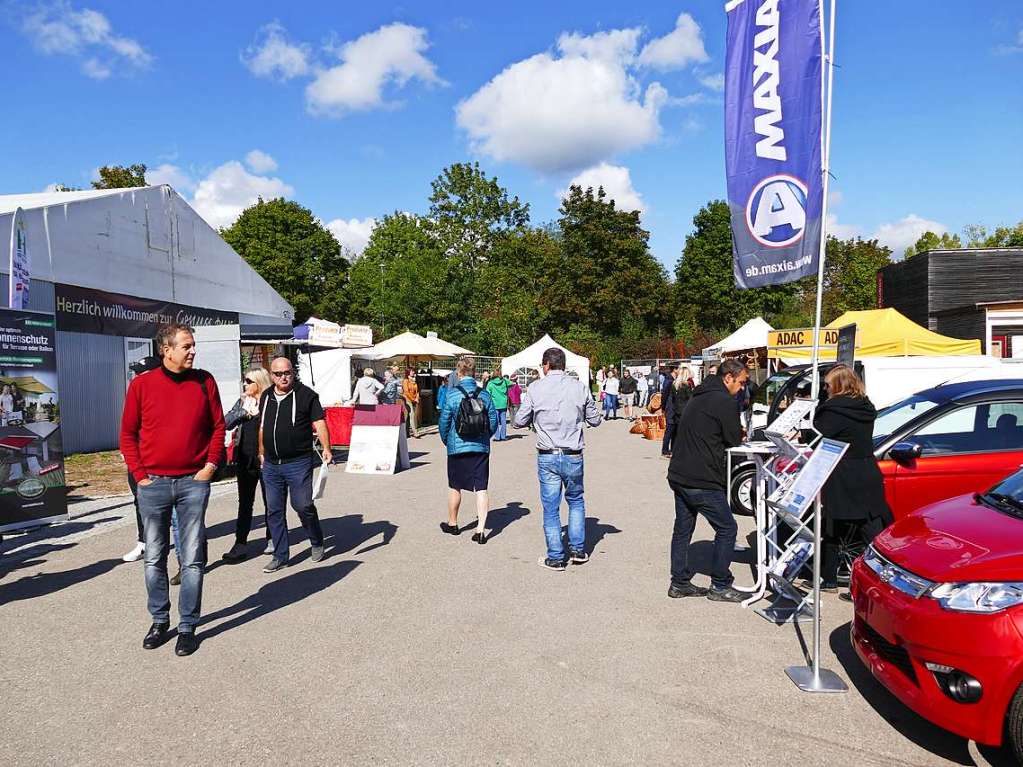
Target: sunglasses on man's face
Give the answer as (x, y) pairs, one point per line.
(282, 373)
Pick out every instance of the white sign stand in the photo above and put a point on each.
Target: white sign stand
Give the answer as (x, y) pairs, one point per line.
(378, 450)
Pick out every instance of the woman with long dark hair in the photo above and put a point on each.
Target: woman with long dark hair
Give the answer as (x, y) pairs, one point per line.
(854, 493)
(244, 417)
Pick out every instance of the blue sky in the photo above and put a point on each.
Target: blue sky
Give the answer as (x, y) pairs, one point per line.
(352, 108)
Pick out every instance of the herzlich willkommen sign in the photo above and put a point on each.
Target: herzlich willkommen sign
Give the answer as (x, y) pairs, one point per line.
(773, 138)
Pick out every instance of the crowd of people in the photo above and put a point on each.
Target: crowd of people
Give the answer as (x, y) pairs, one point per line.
(173, 441)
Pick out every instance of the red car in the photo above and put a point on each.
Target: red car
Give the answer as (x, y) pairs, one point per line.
(939, 613)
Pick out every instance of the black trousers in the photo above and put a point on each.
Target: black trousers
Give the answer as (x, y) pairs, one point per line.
(135, 497)
(834, 532)
(247, 483)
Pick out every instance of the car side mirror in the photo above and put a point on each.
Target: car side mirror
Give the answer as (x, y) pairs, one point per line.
(905, 452)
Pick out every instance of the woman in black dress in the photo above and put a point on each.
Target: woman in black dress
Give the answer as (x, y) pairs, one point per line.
(244, 417)
(854, 494)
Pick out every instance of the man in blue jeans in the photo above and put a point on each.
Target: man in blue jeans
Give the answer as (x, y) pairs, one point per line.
(172, 439)
(290, 413)
(558, 406)
(697, 476)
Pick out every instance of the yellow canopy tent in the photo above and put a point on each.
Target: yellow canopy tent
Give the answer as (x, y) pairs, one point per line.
(879, 333)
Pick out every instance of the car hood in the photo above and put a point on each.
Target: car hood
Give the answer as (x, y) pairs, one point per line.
(957, 540)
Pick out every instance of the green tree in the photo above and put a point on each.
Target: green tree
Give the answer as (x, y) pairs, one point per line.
(296, 254)
(470, 211)
(932, 241)
(705, 292)
(977, 236)
(607, 276)
(120, 176)
(850, 275)
(403, 281)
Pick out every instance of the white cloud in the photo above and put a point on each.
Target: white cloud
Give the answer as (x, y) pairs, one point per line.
(58, 29)
(563, 113)
(617, 183)
(677, 49)
(260, 162)
(900, 234)
(171, 175)
(715, 82)
(229, 189)
(354, 233)
(841, 231)
(391, 55)
(618, 45)
(274, 57)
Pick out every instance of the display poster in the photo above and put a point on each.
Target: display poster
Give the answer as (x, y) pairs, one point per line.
(846, 353)
(773, 121)
(812, 477)
(84, 310)
(32, 485)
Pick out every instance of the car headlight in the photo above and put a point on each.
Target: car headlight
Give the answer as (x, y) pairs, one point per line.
(978, 597)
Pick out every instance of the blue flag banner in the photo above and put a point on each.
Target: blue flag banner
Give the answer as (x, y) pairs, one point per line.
(773, 120)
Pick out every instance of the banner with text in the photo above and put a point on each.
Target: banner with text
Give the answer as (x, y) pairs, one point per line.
(20, 264)
(32, 486)
(84, 310)
(773, 120)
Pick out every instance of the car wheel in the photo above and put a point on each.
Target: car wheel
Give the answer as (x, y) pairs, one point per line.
(850, 548)
(743, 493)
(1014, 725)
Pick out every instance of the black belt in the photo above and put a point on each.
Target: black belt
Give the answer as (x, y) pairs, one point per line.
(557, 451)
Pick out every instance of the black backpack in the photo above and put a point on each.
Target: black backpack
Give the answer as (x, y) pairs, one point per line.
(472, 421)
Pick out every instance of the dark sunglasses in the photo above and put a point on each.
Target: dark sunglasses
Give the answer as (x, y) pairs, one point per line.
(282, 373)
(248, 381)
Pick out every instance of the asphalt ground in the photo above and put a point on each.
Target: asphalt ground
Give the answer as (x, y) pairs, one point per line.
(407, 646)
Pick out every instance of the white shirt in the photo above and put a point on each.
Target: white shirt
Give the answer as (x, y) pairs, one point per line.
(641, 384)
(611, 385)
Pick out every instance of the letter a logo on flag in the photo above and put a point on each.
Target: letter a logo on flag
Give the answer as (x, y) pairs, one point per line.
(773, 111)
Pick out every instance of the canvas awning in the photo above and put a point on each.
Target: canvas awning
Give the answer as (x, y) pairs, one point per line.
(879, 333)
(530, 358)
(752, 335)
(412, 346)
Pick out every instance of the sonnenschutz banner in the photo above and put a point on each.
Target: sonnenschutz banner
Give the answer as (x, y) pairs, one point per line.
(84, 310)
(32, 486)
(773, 138)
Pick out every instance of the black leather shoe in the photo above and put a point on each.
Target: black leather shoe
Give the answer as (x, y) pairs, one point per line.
(480, 538)
(678, 591)
(156, 636)
(187, 644)
(449, 529)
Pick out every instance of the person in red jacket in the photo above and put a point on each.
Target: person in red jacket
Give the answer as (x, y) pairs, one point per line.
(172, 438)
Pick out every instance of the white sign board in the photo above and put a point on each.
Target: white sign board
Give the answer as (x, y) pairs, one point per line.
(790, 419)
(218, 352)
(20, 264)
(377, 450)
(812, 477)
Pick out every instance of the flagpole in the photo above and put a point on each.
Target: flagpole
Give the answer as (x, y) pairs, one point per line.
(814, 678)
(826, 175)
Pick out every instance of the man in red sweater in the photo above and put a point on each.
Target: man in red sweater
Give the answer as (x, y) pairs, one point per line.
(172, 438)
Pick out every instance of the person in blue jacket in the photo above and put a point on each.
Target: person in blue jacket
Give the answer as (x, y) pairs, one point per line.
(468, 457)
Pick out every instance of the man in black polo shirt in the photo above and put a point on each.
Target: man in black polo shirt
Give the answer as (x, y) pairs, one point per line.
(290, 413)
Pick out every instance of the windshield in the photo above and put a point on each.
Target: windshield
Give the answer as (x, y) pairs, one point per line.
(894, 417)
(770, 387)
(1012, 486)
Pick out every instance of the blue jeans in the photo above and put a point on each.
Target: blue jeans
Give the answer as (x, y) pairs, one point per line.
(713, 506)
(294, 478)
(502, 425)
(187, 498)
(557, 473)
(610, 405)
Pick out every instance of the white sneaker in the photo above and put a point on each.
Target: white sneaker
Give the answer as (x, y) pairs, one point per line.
(135, 554)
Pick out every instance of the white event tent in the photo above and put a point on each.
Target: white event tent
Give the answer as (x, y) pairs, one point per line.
(530, 359)
(752, 335)
(413, 347)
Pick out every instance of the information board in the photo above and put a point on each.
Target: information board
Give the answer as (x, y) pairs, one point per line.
(32, 485)
(812, 477)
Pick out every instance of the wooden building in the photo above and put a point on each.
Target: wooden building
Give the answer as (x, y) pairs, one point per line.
(966, 293)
